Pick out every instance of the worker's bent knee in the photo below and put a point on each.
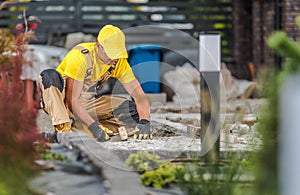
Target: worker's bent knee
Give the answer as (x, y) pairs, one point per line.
(50, 78)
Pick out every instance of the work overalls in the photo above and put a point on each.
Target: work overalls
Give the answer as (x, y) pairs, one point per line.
(111, 111)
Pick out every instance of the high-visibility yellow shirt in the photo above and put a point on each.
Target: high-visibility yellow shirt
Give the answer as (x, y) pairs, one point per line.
(75, 66)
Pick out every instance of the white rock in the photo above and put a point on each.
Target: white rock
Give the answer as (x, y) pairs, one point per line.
(227, 138)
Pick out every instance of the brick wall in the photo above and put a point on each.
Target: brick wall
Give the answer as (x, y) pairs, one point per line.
(257, 31)
(252, 27)
(242, 38)
(268, 22)
(263, 24)
(290, 9)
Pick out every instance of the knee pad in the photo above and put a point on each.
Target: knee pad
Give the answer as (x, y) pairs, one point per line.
(51, 77)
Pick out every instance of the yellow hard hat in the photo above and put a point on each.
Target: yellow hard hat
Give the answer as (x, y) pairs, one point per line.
(112, 40)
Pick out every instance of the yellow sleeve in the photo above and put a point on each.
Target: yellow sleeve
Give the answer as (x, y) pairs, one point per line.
(74, 65)
(123, 71)
(127, 76)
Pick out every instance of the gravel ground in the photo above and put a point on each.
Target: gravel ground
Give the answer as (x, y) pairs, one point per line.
(175, 120)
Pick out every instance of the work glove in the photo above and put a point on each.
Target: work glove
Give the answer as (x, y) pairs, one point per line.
(98, 133)
(142, 130)
(109, 132)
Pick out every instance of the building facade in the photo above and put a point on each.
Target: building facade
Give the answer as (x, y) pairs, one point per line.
(254, 21)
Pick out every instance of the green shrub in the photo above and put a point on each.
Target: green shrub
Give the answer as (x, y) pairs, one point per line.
(195, 178)
(3, 190)
(230, 178)
(154, 173)
(142, 161)
(162, 176)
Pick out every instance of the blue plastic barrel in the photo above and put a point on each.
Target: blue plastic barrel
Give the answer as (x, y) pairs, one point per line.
(145, 62)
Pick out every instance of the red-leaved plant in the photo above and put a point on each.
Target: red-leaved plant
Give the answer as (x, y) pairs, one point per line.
(18, 128)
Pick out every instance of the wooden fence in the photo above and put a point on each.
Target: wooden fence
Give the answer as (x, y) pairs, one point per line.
(62, 17)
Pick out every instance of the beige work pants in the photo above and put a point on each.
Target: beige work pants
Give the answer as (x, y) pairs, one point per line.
(111, 111)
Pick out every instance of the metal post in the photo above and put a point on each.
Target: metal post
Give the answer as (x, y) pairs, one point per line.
(210, 66)
(289, 135)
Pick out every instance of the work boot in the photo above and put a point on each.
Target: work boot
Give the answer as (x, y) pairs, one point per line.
(63, 128)
(60, 128)
(52, 137)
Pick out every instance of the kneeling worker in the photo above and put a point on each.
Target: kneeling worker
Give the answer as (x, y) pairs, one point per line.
(69, 91)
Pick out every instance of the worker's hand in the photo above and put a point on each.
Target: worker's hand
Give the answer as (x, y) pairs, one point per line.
(109, 132)
(98, 133)
(142, 130)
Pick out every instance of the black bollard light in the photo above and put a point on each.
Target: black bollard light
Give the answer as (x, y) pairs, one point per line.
(210, 66)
